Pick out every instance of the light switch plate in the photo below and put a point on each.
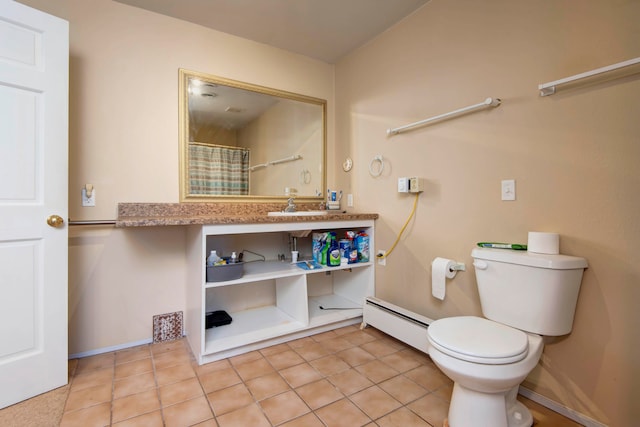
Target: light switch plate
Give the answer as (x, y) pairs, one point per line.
(403, 185)
(508, 189)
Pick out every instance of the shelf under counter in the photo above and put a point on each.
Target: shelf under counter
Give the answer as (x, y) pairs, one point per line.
(264, 323)
(255, 271)
(273, 301)
(247, 326)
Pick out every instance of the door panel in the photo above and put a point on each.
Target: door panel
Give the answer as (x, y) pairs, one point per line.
(34, 58)
(18, 122)
(22, 290)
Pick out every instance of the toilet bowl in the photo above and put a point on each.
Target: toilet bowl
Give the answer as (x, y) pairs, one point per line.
(487, 362)
(524, 296)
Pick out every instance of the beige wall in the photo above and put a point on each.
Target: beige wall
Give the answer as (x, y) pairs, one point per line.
(574, 157)
(124, 140)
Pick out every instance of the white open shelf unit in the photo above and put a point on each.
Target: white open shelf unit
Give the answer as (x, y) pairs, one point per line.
(273, 301)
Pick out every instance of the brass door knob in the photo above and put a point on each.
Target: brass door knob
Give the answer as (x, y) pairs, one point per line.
(55, 221)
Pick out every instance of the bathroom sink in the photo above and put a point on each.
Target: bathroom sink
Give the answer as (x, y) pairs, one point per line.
(298, 213)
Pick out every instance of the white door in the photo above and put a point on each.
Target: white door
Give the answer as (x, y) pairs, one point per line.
(34, 68)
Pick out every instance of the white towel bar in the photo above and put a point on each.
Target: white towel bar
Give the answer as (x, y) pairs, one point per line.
(276, 162)
(489, 102)
(547, 89)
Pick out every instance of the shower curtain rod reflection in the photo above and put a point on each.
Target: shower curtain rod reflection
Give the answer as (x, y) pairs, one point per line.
(489, 102)
(276, 162)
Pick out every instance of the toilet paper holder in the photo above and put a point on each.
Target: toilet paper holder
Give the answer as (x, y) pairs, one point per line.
(458, 266)
(441, 270)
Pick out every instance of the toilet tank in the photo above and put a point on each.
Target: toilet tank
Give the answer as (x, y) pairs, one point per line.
(532, 292)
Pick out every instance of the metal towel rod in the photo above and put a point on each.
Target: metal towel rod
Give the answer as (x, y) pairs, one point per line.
(93, 222)
(489, 102)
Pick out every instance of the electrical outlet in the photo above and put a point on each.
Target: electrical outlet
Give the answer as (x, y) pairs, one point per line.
(88, 201)
(416, 185)
(382, 261)
(349, 200)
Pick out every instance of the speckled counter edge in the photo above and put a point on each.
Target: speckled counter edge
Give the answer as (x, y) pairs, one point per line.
(167, 214)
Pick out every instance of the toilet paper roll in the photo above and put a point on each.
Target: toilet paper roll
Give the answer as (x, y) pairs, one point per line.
(441, 270)
(543, 243)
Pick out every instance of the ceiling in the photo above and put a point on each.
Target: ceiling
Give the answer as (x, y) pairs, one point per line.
(322, 29)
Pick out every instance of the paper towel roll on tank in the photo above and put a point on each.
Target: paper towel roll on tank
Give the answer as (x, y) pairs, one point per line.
(441, 270)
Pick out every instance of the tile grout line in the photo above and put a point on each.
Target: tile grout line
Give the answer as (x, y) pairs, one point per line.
(294, 389)
(113, 390)
(312, 411)
(155, 381)
(374, 384)
(72, 376)
(346, 396)
(204, 392)
(244, 382)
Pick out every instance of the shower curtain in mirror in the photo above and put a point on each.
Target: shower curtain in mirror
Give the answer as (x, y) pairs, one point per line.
(218, 170)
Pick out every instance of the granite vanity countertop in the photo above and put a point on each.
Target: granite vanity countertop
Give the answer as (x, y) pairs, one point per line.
(166, 214)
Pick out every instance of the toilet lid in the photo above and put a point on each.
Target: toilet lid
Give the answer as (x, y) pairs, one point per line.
(478, 340)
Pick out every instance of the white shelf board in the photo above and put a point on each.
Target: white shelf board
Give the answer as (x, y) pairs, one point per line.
(250, 326)
(268, 270)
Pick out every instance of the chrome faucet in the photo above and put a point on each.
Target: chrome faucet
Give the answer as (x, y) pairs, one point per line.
(291, 207)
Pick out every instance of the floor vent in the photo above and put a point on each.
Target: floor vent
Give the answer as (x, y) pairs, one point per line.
(167, 327)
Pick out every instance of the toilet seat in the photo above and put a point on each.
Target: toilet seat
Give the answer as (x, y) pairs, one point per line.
(478, 340)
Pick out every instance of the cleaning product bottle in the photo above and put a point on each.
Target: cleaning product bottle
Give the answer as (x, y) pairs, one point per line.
(334, 251)
(213, 259)
(324, 253)
(362, 243)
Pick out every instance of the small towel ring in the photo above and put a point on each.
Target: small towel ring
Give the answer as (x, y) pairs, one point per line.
(305, 176)
(374, 173)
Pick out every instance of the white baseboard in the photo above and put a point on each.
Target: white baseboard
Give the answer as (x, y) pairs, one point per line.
(108, 349)
(560, 409)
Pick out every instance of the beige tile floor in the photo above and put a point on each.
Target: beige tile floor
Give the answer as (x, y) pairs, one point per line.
(346, 377)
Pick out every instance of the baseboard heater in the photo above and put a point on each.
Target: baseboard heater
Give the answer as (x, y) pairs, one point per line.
(402, 324)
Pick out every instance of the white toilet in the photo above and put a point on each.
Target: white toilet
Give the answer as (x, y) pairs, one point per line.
(524, 296)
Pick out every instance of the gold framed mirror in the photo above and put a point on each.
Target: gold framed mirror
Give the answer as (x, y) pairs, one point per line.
(244, 142)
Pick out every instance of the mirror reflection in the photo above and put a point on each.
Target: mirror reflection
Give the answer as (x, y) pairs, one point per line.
(242, 141)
